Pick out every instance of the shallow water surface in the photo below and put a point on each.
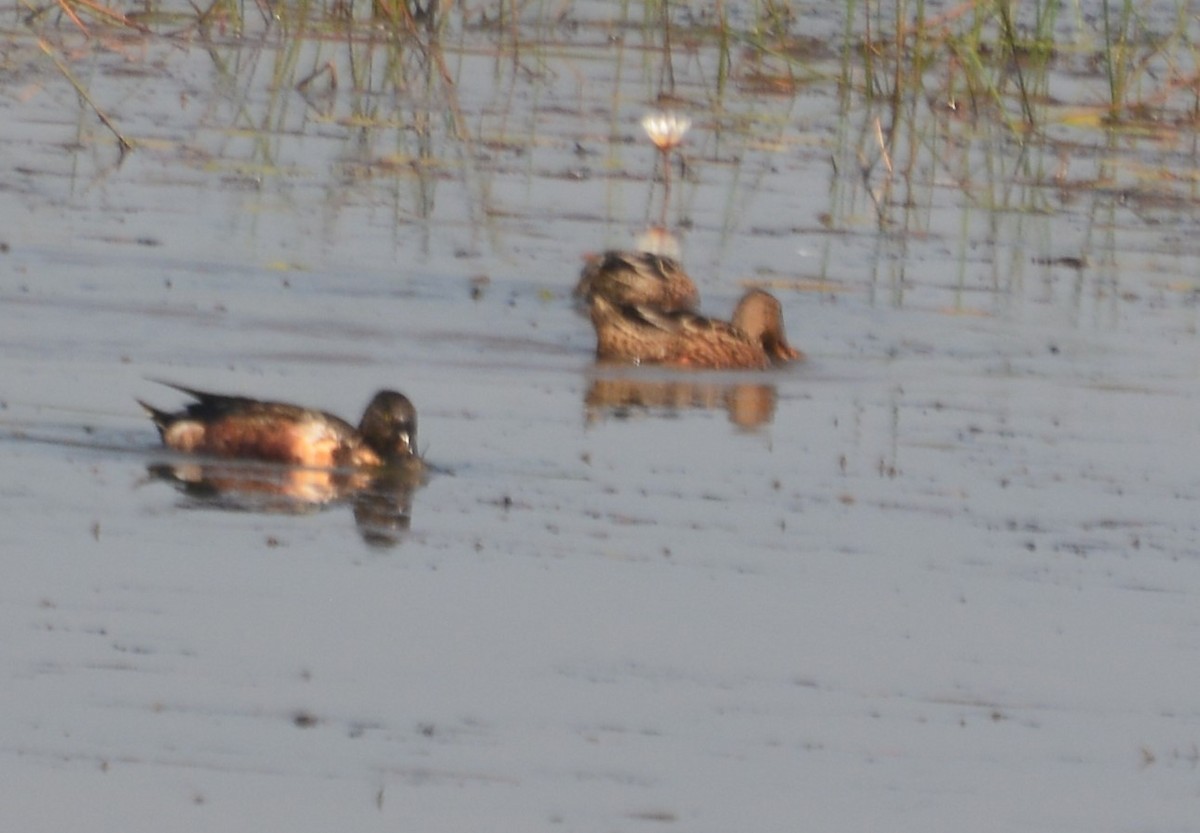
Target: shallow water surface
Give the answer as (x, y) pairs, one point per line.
(944, 573)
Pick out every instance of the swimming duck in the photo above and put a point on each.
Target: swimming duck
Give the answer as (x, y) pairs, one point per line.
(644, 335)
(236, 426)
(637, 278)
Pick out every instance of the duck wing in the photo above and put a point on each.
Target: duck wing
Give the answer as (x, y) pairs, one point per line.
(210, 405)
(689, 325)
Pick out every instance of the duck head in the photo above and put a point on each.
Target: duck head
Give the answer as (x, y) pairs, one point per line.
(760, 316)
(389, 425)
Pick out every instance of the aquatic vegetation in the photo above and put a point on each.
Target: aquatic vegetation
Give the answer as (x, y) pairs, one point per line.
(987, 105)
(666, 130)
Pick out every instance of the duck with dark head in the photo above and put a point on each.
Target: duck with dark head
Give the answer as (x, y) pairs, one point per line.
(253, 429)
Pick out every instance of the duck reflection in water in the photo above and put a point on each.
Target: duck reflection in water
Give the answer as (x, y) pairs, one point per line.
(748, 405)
(326, 461)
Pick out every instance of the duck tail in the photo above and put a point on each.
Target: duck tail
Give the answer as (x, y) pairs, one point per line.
(192, 392)
(161, 419)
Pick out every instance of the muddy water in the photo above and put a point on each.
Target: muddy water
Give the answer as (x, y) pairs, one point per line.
(948, 562)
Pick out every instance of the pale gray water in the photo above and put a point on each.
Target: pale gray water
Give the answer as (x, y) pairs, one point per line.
(950, 584)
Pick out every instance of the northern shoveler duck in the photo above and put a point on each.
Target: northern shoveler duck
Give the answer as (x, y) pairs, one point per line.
(235, 426)
(645, 278)
(644, 335)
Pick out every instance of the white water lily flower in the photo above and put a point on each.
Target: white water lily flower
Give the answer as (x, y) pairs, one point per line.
(666, 130)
